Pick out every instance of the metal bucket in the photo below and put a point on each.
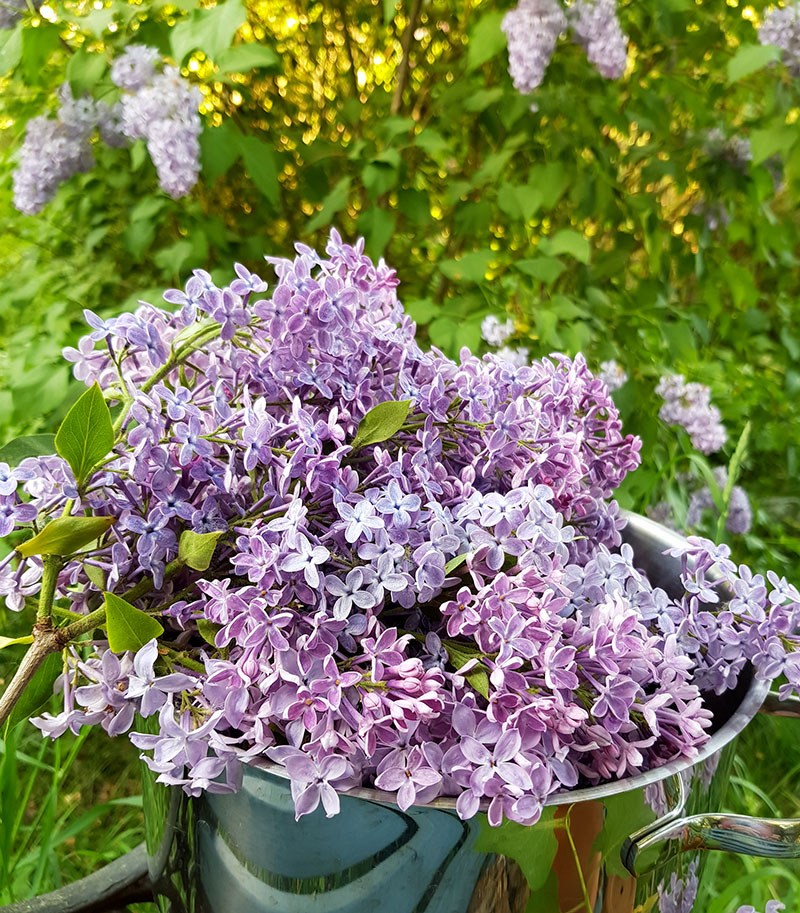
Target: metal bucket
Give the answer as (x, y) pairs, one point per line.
(632, 846)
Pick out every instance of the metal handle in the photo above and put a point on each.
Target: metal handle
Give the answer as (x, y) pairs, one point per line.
(775, 838)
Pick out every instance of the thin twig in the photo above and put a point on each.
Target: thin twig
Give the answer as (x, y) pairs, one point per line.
(402, 72)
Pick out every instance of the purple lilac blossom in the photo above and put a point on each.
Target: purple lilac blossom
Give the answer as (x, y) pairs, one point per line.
(597, 31)
(612, 374)
(54, 150)
(532, 29)
(135, 67)
(447, 612)
(740, 515)
(781, 28)
(163, 111)
(689, 405)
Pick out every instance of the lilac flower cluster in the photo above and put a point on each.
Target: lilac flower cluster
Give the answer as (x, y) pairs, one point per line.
(597, 31)
(689, 405)
(54, 150)
(679, 894)
(161, 108)
(532, 29)
(612, 374)
(781, 28)
(740, 514)
(441, 609)
(773, 906)
(11, 12)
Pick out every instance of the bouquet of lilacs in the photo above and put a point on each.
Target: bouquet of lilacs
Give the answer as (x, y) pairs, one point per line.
(300, 539)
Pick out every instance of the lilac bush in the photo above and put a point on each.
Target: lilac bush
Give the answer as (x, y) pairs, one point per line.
(314, 544)
(689, 405)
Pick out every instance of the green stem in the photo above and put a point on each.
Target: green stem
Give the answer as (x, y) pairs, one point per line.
(52, 566)
(584, 890)
(183, 659)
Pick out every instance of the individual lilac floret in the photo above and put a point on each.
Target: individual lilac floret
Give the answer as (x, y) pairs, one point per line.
(11, 12)
(598, 32)
(781, 27)
(532, 29)
(612, 374)
(689, 405)
(494, 332)
(135, 67)
(519, 356)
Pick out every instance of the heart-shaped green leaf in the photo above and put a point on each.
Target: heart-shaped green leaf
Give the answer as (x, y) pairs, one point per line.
(128, 628)
(86, 435)
(66, 535)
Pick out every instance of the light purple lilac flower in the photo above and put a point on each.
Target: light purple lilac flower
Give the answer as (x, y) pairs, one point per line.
(532, 29)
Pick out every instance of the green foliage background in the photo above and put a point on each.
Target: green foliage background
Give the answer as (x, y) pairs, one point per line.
(581, 212)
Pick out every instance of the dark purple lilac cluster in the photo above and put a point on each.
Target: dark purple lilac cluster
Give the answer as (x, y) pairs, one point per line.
(417, 582)
(158, 107)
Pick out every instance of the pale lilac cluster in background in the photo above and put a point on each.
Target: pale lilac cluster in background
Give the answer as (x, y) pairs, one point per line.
(740, 514)
(598, 32)
(735, 150)
(612, 374)
(532, 29)
(773, 906)
(161, 108)
(10, 13)
(446, 611)
(689, 405)
(54, 150)
(781, 27)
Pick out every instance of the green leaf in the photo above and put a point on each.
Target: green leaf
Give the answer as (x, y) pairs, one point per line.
(479, 680)
(11, 641)
(569, 242)
(38, 692)
(380, 423)
(32, 445)
(38, 44)
(128, 628)
(208, 630)
(86, 435)
(334, 202)
(84, 71)
(246, 57)
(66, 535)
(378, 227)
(470, 268)
(10, 49)
(259, 160)
(210, 30)
(453, 563)
(533, 848)
(734, 468)
(625, 813)
(432, 142)
(519, 201)
(544, 269)
(388, 10)
(778, 139)
(486, 39)
(219, 149)
(749, 59)
(96, 575)
(197, 549)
